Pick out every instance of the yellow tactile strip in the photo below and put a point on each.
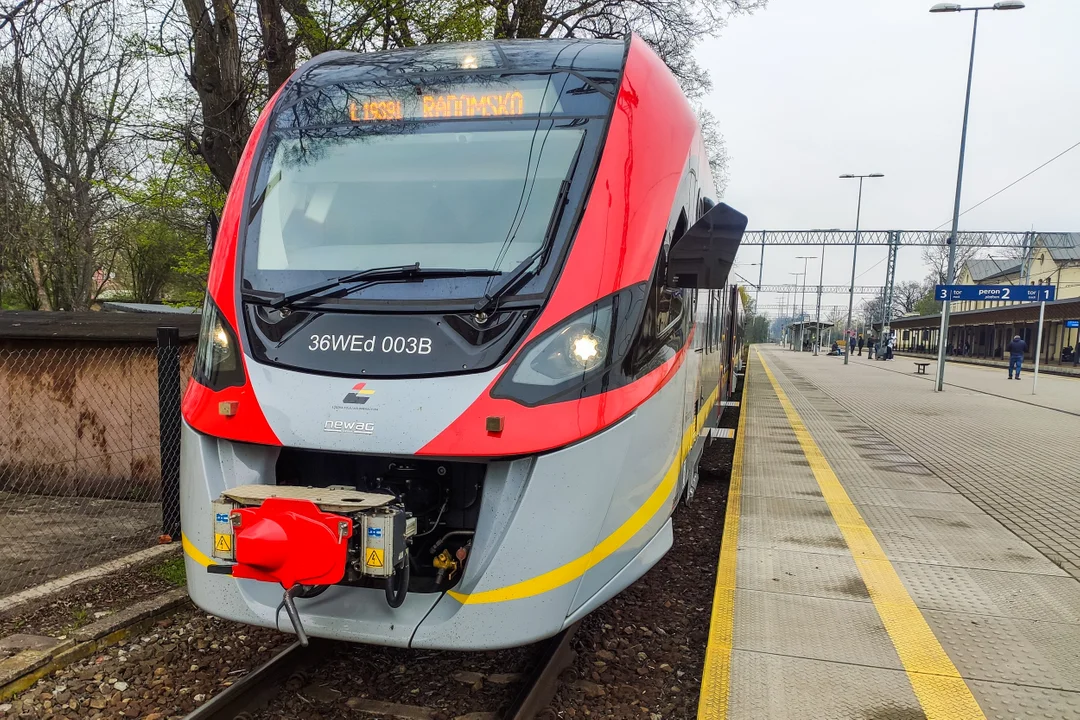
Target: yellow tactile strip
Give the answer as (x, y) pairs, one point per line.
(934, 678)
(716, 677)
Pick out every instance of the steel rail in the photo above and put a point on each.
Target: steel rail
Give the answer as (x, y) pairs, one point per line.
(533, 700)
(253, 691)
(259, 686)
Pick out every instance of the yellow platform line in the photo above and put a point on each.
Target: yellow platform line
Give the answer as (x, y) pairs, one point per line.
(716, 677)
(936, 682)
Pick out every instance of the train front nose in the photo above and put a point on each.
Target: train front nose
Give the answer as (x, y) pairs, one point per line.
(557, 534)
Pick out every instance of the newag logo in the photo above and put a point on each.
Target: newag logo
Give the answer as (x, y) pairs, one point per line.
(348, 426)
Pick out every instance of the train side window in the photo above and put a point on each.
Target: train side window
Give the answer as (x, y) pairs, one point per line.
(669, 301)
(714, 333)
(709, 339)
(722, 304)
(666, 320)
(697, 316)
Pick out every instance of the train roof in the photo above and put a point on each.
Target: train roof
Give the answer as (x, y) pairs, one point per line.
(580, 54)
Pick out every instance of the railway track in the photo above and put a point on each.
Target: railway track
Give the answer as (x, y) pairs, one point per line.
(243, 699)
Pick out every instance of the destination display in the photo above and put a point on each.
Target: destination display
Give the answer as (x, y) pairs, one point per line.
(1000, 293)
(448, 105)
(493, 97)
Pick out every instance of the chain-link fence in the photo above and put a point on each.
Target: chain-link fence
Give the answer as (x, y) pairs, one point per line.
(89, 437)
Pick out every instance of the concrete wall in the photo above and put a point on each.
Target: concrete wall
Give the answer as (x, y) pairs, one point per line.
(81, 418)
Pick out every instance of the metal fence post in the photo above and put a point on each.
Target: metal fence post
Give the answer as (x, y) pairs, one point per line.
(168, 362)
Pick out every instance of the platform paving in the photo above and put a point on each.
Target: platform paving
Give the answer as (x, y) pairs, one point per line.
(1060, 392)
(1005, 450)
(970, 499)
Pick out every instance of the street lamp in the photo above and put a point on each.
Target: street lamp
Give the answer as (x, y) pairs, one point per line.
(794, 299)
(854, 256)
(817, 320)
(950, 276)
(802, 307)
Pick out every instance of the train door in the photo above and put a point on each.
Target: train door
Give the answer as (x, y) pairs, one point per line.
(733, 347)
(693, 400)
(688, 195)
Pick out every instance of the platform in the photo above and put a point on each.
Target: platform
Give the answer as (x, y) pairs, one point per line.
(892, 553)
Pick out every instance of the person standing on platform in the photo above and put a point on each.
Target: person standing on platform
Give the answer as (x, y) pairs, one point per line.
(870, 347)
(860, 345)
(1016, 349)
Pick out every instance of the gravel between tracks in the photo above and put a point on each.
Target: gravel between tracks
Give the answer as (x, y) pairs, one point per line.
(447, 684)
(641, 654)
(74, 607)
(164, 673)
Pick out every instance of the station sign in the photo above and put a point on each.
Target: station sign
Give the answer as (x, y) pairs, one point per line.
(1072, 323)
(1004, 293)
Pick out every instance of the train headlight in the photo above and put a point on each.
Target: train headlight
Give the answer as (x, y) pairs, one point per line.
(217, 360)
(586, 349)
(579, 356)
(574, 349)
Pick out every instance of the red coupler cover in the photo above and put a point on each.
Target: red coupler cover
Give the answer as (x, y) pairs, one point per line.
(291, 542)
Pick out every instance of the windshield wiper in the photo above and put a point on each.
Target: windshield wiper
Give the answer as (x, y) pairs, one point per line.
(371, 275)
(524, 272)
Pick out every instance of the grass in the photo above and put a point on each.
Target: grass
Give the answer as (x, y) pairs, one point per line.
(172, 571)
(79, 617)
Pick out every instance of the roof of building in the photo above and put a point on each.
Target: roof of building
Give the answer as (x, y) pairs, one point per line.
(147, 308)
(811, 324)
(93, 326)
(987, 268)
(1070, 250)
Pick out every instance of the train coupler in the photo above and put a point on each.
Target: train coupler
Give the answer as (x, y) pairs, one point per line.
(302, 537)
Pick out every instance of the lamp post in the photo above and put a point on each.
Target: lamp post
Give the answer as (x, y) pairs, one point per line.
(794, 301)
(802, 307)
(783, 309)
(854, 256)
(950, 275)
(817, 320)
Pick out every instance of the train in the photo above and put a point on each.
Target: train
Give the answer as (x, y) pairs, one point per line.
(467, 330)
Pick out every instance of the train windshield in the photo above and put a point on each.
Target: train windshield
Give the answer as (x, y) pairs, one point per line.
(457, 176)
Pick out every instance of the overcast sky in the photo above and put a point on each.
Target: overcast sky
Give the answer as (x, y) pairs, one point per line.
(806, 90)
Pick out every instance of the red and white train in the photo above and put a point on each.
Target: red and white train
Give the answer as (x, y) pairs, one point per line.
(467, 328)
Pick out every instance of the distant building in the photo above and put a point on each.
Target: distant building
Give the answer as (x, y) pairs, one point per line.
(1059, 266)
(981, 329)
(108, 283)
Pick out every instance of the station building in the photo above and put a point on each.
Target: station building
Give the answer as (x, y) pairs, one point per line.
(980, 330)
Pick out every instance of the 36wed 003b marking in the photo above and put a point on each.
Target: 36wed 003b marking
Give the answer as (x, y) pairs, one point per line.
(370, 343)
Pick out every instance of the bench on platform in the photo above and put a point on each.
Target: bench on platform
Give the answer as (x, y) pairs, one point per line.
(920, 368)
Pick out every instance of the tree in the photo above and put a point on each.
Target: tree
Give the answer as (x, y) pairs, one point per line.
(163, 253)
(21, 223)
(870, 311)
(906, 295)
(936, 257)
(757, 328)
(68, 91)
(237, 63)
(928, 305)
